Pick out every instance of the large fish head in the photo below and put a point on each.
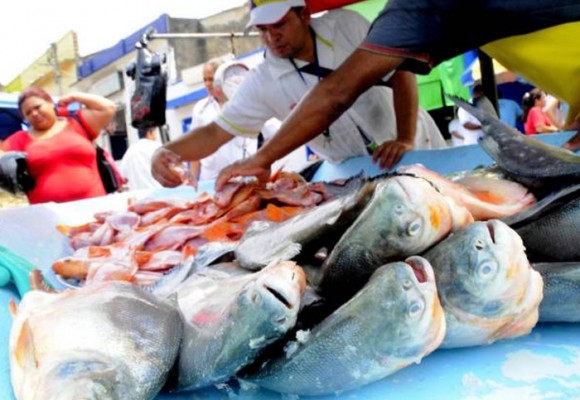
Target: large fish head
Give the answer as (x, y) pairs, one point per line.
(413, 320)
(228, 325)
(108, 337)
(485, 279)
(276, 292)
(414, 214)
(85, 379)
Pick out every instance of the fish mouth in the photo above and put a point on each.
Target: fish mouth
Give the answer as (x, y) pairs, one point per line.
(421, 268)
(285, 291)
(491, 228)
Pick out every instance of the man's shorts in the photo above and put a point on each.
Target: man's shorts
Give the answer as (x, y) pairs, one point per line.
(426, 32)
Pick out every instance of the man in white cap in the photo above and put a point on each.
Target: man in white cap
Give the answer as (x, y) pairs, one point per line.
(300, 52)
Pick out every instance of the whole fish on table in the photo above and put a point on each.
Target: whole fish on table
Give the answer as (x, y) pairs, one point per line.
(106, 341)
(394, 321)
(266, 242)
(229, 318)
(405, 216)
(486, 285)
(527, 160)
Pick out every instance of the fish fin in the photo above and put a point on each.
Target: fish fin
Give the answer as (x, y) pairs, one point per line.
(289, 251)
(24, 352)
(12, 307)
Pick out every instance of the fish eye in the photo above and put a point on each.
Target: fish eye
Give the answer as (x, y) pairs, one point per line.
(415, 308)
(407, 284)
(398, 208)
(414, 227)
(479, 244)
(486, 269)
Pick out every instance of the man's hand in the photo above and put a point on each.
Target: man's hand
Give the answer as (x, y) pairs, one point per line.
(390, 152)
(165, 168)
(250, 166)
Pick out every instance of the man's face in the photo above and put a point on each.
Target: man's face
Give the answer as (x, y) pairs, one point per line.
(208, 73)
(287, 37)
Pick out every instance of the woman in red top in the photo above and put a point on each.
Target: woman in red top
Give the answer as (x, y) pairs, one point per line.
(60, 153)
(536, 120)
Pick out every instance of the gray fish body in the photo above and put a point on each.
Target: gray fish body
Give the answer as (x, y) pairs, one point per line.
(561, 302)
(486, 285)
(394, 321)
(284, 241)
(109, 340)
(229, 318)
(528, 160)
(551, 228)
(398, 221)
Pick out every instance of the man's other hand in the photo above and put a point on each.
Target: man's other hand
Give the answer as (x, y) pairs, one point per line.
(250, 166)
(389, 153)
(165, 168)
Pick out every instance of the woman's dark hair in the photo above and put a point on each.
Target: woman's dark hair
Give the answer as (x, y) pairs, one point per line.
(33, 91)
(529, 100)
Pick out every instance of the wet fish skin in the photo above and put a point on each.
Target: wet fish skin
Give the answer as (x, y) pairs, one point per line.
(267, 242)
(394, 321)
(109, 340)
(561, 302)
(529, 161)
(228, 319)
(486, 285)
(405, 216)
(550, 230)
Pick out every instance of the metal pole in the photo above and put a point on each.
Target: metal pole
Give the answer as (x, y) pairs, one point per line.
(56, 67)
(200, 35)
(488, 78)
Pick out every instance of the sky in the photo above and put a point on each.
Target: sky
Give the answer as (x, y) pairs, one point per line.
(28, 27)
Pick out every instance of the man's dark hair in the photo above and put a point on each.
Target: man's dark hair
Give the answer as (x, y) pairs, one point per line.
(142, 132)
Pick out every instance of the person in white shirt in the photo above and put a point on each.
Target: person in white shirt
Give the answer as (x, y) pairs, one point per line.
(383, 122)
(136, 163)
(227, 78)
(207, 109)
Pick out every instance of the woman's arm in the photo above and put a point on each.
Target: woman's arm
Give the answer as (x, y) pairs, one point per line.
(98, 111)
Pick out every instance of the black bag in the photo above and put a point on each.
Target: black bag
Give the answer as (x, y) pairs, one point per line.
(14, 175)
(149, 98)
(110, 175)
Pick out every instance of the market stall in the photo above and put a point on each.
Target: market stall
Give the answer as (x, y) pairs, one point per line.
(543, 363)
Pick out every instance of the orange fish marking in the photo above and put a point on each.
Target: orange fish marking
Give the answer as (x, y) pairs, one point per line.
(435, 216)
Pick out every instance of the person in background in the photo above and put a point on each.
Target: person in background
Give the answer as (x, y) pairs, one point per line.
(207, 109)
(471, 127)
(227, 78)
(456, 131)
(136, 163)
(415, 35)
(60, 153)
(556, 111)
(481, 101)
(300, 51)
(536, 120)
(509, 111)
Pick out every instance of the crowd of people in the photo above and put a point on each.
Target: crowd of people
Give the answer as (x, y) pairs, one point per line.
(341, 86)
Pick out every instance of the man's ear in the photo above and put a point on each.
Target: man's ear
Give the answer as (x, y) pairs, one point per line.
(305, 14)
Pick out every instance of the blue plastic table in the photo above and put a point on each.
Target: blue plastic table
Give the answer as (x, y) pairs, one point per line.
(544, 364)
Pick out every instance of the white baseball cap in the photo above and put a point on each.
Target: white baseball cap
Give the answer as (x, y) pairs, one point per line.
(265, 12)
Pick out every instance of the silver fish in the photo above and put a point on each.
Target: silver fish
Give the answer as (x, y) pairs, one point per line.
(528, 160)
(561, 302)
(394, 321)
(267, 242)
(229, 318)
(104, 341)
(486, 284)
(405, 216)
